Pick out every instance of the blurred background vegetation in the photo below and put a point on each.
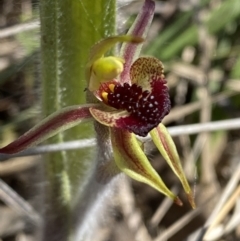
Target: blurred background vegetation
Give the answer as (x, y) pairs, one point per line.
(199, 45)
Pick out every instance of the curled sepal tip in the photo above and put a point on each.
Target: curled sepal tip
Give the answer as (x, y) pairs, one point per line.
(131, 160)
(99, 68)
(166, 146)
(190, 198)
(100, 48)
(178, 201)
(59, 121)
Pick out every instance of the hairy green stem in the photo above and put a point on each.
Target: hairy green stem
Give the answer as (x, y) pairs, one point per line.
(68, 29)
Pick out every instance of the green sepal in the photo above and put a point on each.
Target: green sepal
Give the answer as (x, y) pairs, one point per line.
(131, 160)
(100, 48)
(167, 148)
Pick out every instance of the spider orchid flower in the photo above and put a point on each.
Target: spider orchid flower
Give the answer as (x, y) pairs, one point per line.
(130, 96)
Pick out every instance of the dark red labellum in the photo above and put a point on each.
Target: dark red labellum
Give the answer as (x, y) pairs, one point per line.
(147, 109)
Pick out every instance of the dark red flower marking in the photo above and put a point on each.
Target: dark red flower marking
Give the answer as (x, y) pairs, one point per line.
(146, 108)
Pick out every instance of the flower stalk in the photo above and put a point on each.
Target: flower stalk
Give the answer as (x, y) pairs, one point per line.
(68, 30)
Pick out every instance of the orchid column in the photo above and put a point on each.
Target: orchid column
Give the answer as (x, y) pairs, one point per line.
(68, 29)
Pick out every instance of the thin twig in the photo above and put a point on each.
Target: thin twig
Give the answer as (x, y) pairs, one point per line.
(225, 196)
(221, 215)
(17, 165)
(210, 126)
(19, 28)
(206, 45)
(131, 214)
(180, 223)
(234, 220)
(232, 183)
(70, 145)
(230, 124)
(163, 209)
(13, 200)
(181, 111)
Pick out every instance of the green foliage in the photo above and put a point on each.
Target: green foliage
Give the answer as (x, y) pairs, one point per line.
(183, 31)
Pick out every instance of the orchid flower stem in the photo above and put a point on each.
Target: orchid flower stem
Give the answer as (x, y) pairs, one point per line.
(68, 30)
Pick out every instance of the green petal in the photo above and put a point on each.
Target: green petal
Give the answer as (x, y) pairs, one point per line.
(166, 146)
(100, 48)
(131, 160)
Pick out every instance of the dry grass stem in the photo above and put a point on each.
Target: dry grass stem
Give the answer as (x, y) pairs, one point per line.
(19, 28)
(16, 165)
(131, 214)
(231, 124)
(162, 209)
(211, 233)
(13, 200)
(179, 224)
